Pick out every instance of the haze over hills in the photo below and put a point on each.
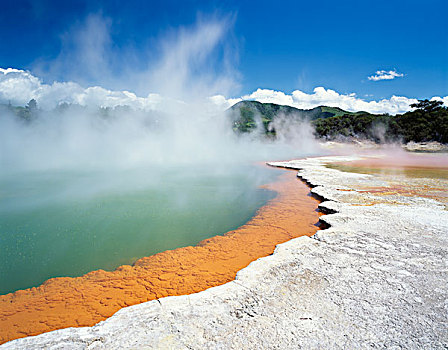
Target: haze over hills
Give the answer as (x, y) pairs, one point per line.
(248, 113)
(428, 122)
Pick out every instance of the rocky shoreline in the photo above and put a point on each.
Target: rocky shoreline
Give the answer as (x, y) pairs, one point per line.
(377, 277)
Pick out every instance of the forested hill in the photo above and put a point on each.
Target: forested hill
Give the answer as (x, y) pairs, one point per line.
(427, 122)
(247, 114)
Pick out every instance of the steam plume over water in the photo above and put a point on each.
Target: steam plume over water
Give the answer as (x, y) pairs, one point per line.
(181, 125)
(96, 178)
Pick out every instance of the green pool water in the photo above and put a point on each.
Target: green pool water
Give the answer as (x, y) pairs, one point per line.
(69, 223)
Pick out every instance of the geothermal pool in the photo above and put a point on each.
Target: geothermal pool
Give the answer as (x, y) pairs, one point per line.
(412, 165)
(67, 223)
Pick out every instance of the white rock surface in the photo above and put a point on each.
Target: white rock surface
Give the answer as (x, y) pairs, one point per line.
(377, 278)
(426, 147)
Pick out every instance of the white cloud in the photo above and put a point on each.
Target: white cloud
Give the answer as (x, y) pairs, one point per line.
(385, 75)
(331, 98)
(223, 102)
(270, 96)
(18, 87)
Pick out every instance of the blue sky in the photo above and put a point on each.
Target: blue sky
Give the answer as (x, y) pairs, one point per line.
(283, 45)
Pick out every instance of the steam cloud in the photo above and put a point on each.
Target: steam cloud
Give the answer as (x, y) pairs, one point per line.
(177, 124)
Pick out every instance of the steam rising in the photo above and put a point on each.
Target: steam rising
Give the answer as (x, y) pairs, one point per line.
(189, 134)
(183, 128)
(187, 63)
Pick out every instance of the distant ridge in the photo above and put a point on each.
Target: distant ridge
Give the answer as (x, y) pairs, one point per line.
(426, 123)
(246, 114)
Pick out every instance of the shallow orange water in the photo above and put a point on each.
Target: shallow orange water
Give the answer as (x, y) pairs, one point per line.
(86, 300)
(405, 163)
(406, 174)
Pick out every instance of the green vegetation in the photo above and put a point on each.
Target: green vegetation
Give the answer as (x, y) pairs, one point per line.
(27, 113)
(378, 128)
(250, 114)
(336, 111)
(428, 122)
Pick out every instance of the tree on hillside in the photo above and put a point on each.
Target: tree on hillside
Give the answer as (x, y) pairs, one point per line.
(428, 122)
(427, 105)
(28, 112)
(32, 105)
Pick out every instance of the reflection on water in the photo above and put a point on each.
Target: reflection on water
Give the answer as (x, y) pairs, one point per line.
(67, 224)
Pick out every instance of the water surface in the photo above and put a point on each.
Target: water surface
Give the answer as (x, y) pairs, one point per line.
(68, 223)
